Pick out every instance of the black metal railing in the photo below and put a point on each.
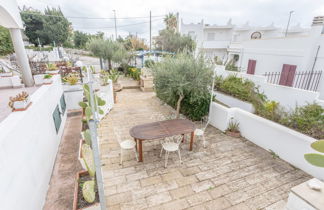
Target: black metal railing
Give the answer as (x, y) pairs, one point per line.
(307, 80)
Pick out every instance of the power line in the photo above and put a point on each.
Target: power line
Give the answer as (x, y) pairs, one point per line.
(100, 27)
(94, 18)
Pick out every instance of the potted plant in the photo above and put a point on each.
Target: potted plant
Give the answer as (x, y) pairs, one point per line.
(3, 73)
(233, 129)
(85, 139)
(52, 68)
(104, 78)
(20, 102)
(47, 79)
(86, 190)
(71, 79)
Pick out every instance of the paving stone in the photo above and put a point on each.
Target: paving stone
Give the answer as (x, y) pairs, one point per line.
(241, 206)
(171, 175)
(198, 198)
(181, 192)
(158, 198)
(217, 204)
(186, 180)
(189, 171)
(176, 204)
(201, 186)
(119, 198)
(128, 186)
(219, 191)
(136, 176)
(150, 181)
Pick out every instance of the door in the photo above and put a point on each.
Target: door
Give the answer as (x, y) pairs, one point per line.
(251, 66)
(287, 75)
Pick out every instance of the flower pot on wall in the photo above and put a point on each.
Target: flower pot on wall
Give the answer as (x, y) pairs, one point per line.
(48, 81)
(21, 105)
(38, 79)
(233, 134)
(78, 202)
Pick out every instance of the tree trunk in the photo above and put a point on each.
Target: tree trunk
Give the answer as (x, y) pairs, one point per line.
(179, 105)
(109, 64)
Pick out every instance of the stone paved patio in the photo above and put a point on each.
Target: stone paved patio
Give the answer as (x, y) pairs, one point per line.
(229, 174)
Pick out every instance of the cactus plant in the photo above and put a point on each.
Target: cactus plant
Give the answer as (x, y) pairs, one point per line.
(88, 191)
(87, 106)
(23, 96)
(86, 136)
(315, 158)
(88, 188)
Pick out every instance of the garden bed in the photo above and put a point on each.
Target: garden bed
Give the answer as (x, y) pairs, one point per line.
(233, 102)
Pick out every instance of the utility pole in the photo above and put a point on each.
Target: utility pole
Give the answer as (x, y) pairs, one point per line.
(288, 22)
(115, 24)
(150, 31)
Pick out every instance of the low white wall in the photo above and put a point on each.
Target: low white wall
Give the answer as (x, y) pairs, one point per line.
(233, 102)
(73, 95)
(28, 147)
(287, 143)
(107, 94)
(10, 82)
(288, 97)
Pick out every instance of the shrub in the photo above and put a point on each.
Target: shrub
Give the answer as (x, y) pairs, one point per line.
(307, 119)
(149, 63)
(134, 73)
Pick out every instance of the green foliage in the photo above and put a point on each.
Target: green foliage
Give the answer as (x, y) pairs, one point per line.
(182, 81)
(171, 22)
(48, 76)
(315, 158)
(87, 156)
(233, 126)
(104, 77)
(87, 105)
(114, 75)
(88, 191)
(231, 67)
(307, 119)
(174, 42)
(149, 63)
(48, 27)
(134, 72)
(87, 136)
(80, 39)
(50, 48)
(5, 42)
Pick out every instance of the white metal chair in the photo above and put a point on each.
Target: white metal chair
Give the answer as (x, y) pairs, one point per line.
(171, 144)
(125, 145)
(200, 132)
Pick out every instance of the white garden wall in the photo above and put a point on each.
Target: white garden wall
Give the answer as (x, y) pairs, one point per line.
(28, 147)
(233, 102)
(287, 143)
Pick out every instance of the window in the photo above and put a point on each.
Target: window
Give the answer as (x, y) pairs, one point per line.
(57, 118)
(210, 36)
(63, 104)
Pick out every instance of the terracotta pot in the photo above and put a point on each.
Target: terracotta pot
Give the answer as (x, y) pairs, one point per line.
(233, 134)
(94, 206)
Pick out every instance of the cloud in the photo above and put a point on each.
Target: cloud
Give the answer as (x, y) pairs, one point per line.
(257, 12)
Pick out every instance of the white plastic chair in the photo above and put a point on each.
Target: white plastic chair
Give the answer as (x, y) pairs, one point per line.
(125, 145)
(200, 132)
(171, 144)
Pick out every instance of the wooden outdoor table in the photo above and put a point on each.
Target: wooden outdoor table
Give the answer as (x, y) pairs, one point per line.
(161, 129)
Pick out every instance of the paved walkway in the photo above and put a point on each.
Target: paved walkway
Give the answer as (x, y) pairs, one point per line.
(61, 190)
(230, 174)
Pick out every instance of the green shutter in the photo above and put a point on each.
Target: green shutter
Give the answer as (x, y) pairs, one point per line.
(57, 118)
(63, 104)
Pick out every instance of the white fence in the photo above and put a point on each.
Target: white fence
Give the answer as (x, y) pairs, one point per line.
(287, 143)
(29, 144)
(288, 97)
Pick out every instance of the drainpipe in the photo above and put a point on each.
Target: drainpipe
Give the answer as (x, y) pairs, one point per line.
(21, 56)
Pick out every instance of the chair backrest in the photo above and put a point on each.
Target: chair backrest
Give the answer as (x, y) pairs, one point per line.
(205, 122)
(175, 139)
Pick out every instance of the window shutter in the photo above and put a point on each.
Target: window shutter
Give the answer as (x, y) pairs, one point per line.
(251, 66)
(291, 75)
(57, 118)
(63, 104)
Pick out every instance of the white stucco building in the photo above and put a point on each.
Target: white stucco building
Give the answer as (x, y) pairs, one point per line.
(258, 50)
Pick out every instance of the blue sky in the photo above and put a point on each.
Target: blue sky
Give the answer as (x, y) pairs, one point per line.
(257, 12)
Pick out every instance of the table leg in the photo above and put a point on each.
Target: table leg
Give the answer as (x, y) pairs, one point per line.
(140, 151)
(135, 143)
(183, 138)
(191, 140)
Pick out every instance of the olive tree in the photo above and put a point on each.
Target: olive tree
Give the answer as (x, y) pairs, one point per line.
(184, 77)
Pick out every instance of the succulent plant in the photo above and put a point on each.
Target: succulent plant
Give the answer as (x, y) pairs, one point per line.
(88, 188)
(71, 79)
(51, 66)
(87, 136)
(315, 158)
(87, 156)
(88, 191)
(87, 105)
(48, 76)
(20, 97)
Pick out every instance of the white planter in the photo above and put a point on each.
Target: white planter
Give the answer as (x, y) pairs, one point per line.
(52, 71)
(6, 74)
(16, 81)
(21, 104)
(47, 81)
(234, 102)
(38, 79)
(73, 95)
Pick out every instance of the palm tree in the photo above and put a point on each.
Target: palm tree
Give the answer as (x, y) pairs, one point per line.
(171, 22)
